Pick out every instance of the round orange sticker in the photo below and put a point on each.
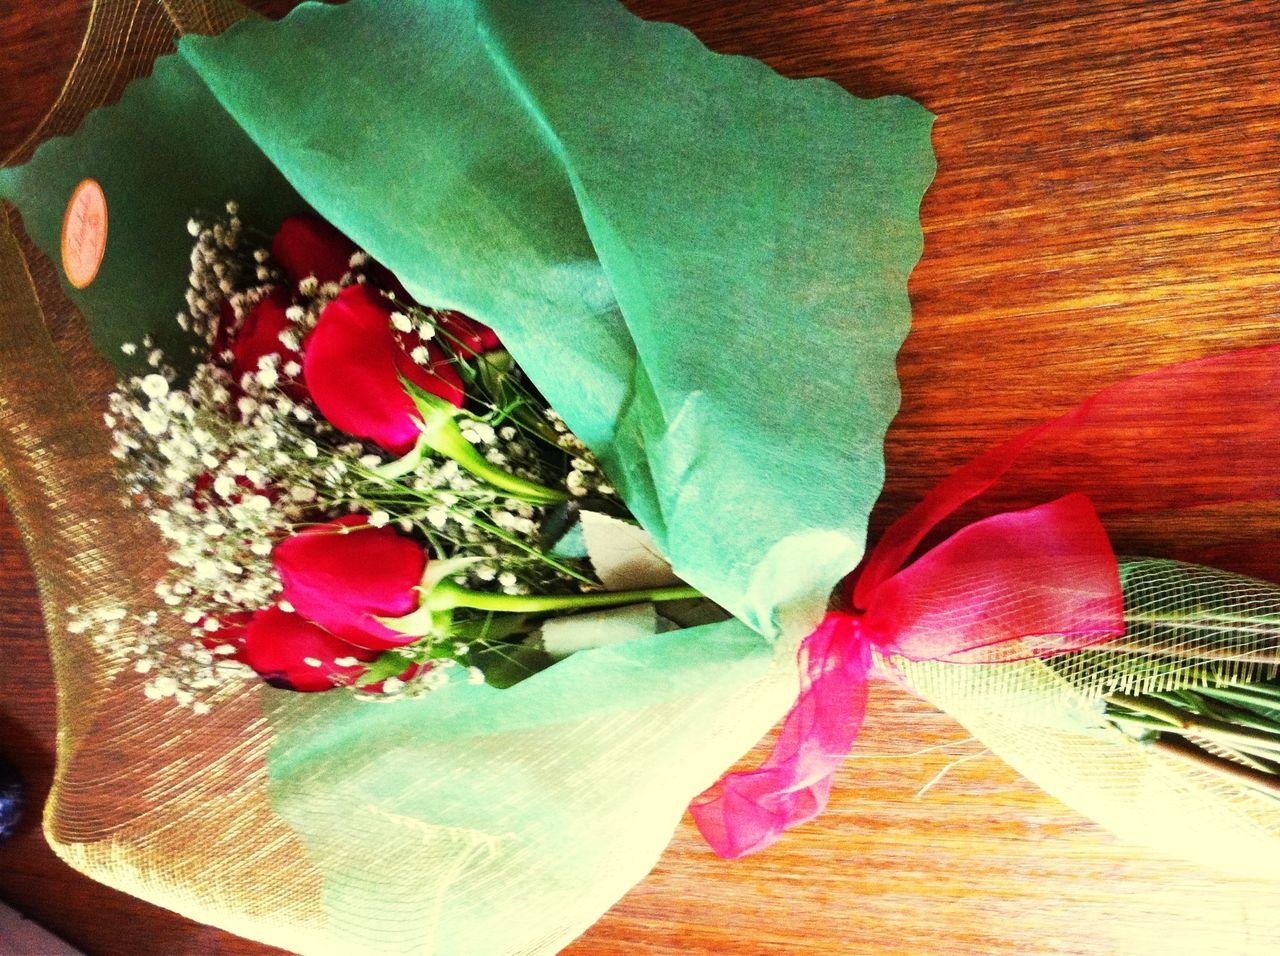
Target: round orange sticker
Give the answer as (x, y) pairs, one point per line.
(84, 233)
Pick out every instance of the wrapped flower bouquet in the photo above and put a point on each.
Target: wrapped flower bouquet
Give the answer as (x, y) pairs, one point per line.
(698, 265)
(439, 425)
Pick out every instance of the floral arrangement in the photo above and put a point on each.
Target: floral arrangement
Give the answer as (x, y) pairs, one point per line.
(358, 491)
(563, 362)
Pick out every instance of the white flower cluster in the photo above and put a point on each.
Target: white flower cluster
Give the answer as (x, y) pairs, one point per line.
(189, 672)
(218, 270)
(585, 477)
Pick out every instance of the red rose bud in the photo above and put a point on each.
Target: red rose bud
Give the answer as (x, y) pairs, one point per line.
(466, 336)
(292, 653)
(345, 579)
(307, 246)
(353, 365)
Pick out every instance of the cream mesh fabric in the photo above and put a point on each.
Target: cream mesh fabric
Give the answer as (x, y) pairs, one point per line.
(1186, 626)
(125, 806)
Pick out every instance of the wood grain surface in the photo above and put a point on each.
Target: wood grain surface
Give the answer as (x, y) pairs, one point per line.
(1106, 202)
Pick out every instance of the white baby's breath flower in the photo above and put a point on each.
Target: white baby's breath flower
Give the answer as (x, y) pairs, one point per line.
(155, 386)
(154, 422)
(165, 685)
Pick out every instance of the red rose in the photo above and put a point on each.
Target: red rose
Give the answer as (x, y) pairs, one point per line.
(257, 336)
(307, 246)
(292, 653)
(353, 363)
(344, 574)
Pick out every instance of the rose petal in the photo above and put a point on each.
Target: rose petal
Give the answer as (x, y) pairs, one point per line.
(342, 580)
(352, 366)
(307, 246)
(259, 335)
(292, 653)
(232, 630)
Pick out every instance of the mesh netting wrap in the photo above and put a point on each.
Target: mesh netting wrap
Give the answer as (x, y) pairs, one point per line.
(474, 820)
(1044, 718)
(1187, 448)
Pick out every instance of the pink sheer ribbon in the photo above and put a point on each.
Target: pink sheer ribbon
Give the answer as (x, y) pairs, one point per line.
(1018, 583)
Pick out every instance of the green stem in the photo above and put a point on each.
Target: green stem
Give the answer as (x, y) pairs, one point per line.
(440, 433)
(1194, 724)
(446, 595)
(1254, 695)
(1266, 624)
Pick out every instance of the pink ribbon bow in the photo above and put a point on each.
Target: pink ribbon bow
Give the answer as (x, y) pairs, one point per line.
(1017, 584)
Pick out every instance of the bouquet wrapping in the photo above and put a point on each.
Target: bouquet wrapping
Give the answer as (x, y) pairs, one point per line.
(701, 264)
(703, 267)
(1140, 690)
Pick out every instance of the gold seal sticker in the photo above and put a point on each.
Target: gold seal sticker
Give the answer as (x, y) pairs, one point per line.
(84, 233)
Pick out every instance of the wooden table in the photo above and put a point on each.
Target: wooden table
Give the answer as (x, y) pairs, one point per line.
(1106, 202)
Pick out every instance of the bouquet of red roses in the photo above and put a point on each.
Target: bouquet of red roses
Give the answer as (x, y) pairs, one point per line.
(696, 271)
(615, 325)
(352, 487)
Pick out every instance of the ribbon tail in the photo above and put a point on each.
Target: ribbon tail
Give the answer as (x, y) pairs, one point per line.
(748, 810)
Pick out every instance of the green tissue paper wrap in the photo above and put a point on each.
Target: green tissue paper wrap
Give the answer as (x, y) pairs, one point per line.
(702, 264)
